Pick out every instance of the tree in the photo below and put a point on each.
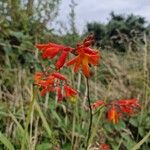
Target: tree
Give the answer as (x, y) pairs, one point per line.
(72, 17)
(30, 15)
(99, 31)
(120, 33)
(23, 23)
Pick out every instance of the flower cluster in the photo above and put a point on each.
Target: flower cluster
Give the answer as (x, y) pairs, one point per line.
(118, 108)
(84, 57)
(54, 82)
(51, 50)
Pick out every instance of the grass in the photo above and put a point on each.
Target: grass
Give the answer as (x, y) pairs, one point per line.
(29, 121)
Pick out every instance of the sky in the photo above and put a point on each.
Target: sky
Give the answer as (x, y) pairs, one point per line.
(99, 10)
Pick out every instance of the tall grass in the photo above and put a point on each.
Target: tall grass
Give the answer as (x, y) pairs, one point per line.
(29, 121)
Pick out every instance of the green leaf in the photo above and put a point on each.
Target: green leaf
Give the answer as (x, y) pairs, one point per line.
(44, 146)
(141, 131)
(134, 122)
(7, 48)
(18, 35)
(138, 145)
(6, 142)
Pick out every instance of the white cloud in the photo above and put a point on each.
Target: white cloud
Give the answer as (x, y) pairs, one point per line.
(99, 10)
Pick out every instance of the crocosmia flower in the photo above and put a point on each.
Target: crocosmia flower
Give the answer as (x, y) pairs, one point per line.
(122, 107)
(59, 94)
(104, 147)
(97, 104)
(38, 77)
(70, 92)
(59, 76)
(128, 106)
(51, 50)
(113, 115)
(85, 57)
(54, 82)
(117, 108)
(45, 82)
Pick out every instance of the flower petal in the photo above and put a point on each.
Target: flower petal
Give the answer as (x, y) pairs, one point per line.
(93, 59)
(59, 94)
(50, 52)
(73, 61)
(59, 76)
(61, 61)
(70, 91)
(113, 115)
(42, 46)
(85, 67)
(97, 104)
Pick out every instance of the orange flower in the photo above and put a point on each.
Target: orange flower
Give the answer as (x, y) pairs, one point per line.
(38, 77)
(48, 83)
(42, 80)
(128, 102)
(127, 106)
(83, 59)
(97, 104)
(59, 76)
(120, 107)
(104, 147)
(85, 56)
(70, 92)
(51, 83)
(113, 115)
(61, 61)
(45, 82)
(50, 50)
(59, 94)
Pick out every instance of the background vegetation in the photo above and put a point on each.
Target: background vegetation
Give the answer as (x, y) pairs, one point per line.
(29, 121)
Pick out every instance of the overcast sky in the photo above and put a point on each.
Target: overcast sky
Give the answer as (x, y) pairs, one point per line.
(99, 10)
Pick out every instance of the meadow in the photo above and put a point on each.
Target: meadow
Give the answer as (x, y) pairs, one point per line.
(30, 121)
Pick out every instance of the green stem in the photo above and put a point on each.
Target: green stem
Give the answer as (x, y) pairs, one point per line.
(27, 123)
(44, 121)
(91, 116)
(138, 145)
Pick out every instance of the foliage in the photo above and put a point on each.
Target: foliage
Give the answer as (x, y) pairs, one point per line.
(29, 122)
(120, 33)
(22, 24)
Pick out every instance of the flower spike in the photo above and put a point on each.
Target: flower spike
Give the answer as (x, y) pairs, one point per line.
(50, 50)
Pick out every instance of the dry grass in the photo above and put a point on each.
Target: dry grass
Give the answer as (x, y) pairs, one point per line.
(120, 76)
